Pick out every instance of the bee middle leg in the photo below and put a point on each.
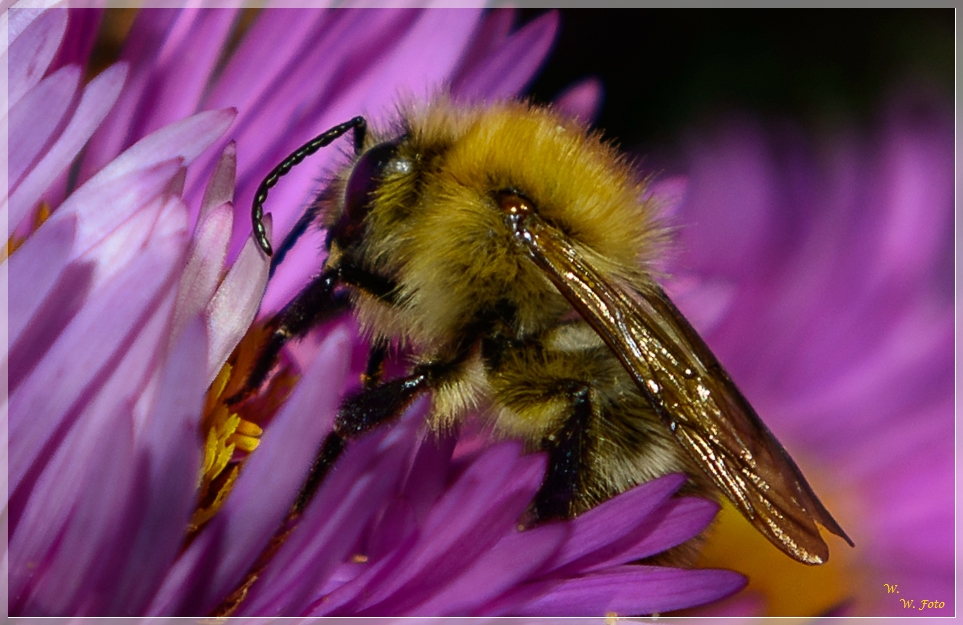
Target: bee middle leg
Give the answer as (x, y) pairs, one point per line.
(376, 404)
(372, 407)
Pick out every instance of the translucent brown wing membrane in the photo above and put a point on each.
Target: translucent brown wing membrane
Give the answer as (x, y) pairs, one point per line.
(694, 396)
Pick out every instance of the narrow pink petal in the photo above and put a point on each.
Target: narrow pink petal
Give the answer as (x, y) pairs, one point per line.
(89, 273)
(185, 139)
(496, 487)
(89, 347)
(377, 46)
(493, 30)
(140, 49)
(184, 64)
(447, 30)
(32, 50)
(635, 590)
(121, 199)
(300, 93)
(206, 259)
(96, 101)
(95, 548)
(83, 23)
(140, 173)
(917, 175)
(510, 562)
(220, 186)
(352, 494)
(514, 64)
(685, 518)
(425, 483)
(739, 174)
(53, 313)
(582, 100)
(205, 264)
(35, 117)
(264, 491)
(241, 83)
(235, 303)
(36, 266)
(19, 20)
(101, 459)
(169, 462)
(597, 529)
(302, 263)
(111, 406)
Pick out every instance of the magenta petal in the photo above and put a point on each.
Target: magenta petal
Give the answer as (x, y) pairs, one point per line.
(496, 488)
(635, 590)
(739, 176)
(425, 483)
(383, 54)
(95, 103)
(684, 519)
(140, 50)
(168, 464)
(220, 186)
(265, 489)
(582, 100)
(139, 174)
(74, 562)
(87, 349)
(488, 37)
(510, 562)
(205, 264)
(34, 118)
(235, 303)
(32, 50)
(39, 263)
(514, 64)
(299, 265)
(183, 66)
(353, 492)
(93, 547)
(448, 32)
(241, 83)
(185, 139)
(82, 27)
(595, 530)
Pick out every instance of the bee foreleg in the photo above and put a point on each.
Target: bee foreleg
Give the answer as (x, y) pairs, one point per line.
(315, 303)
(375, 367)
(566, 449)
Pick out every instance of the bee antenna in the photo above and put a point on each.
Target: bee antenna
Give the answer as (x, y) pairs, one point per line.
(358, 124)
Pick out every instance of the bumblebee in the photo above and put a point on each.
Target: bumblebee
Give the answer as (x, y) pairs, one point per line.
(510, 252)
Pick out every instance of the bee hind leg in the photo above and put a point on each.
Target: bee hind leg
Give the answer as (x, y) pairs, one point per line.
(567, 453)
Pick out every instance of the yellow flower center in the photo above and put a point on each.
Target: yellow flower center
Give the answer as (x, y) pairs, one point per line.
(232, 431)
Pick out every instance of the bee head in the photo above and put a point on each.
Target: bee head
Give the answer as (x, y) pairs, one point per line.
(363, 182)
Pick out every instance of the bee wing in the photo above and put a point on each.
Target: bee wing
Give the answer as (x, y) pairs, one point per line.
(694, 397)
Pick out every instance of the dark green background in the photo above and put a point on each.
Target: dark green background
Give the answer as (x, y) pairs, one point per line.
(667, 69)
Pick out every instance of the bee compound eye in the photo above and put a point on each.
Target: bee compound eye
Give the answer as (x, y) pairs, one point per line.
(513, 203)
(365, 177)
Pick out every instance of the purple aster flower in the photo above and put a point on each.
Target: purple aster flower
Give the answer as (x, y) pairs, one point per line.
(820, 272)
(132, 279)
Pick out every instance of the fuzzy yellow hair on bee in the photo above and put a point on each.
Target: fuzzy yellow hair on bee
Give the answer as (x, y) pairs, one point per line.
(507, 251)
